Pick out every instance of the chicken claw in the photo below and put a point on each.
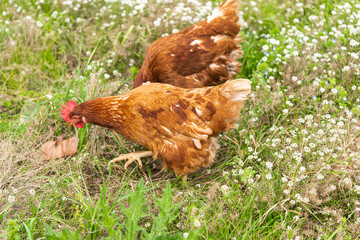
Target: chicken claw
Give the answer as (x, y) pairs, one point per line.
(132, 157)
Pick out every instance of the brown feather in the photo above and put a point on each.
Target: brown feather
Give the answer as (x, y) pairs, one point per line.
(201, 55)
(178, 125)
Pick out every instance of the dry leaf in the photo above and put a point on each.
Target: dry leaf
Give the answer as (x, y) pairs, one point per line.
(59, 148)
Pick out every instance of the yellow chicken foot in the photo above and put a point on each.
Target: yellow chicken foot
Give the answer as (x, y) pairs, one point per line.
(132, 157)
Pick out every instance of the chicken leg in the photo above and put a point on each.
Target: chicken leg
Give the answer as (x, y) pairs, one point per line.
(132, 157)
(184, 179)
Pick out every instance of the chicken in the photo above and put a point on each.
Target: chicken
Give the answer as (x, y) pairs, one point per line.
(178, 125)
(201, 55)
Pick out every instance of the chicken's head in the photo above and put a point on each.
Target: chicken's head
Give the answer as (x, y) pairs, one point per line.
(68, 115)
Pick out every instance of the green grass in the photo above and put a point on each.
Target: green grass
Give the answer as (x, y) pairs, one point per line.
(290, 171)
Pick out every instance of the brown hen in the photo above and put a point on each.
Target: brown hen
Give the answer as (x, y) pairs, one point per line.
(201, 55)
(178, 125)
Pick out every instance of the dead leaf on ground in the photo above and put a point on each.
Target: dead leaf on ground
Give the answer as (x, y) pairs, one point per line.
(59, 148)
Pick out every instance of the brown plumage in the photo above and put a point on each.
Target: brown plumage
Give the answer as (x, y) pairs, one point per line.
(201, 55)
(178, 125)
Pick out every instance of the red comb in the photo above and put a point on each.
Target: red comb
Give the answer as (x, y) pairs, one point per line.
(65, 112)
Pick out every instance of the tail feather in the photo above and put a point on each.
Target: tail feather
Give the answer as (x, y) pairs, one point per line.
(236, 90)
(233, 95)
(227, 9)
(224, 20)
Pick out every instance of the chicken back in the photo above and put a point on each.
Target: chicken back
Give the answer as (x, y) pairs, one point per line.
(201, 55)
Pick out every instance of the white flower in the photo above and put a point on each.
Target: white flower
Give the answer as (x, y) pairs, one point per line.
(334, 91)
(347, 181)
(269, 165)
(353, 43)
(357, 189)
(185, 235)
(346, 68)
(54, 14)
(252, 3)
(197, 223)
(313, 18)
(49, 96)
(284, 179)
(320, 176)
(268, 176)
(106, 76)
(313, 191)
(354, 55)
(11, 199)
(287, 191)
(298, 196)
(265, 48)
(39, 24)
(225, 189)
(294, 78)
(32, 191)
(285, 111)
(294, 145)
(340, 124)
(273, 41)
(299, 5)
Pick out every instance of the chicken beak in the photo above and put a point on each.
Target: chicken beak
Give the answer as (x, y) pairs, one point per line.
(70, 124)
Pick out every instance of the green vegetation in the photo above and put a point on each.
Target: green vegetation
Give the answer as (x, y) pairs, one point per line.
(290, 171)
